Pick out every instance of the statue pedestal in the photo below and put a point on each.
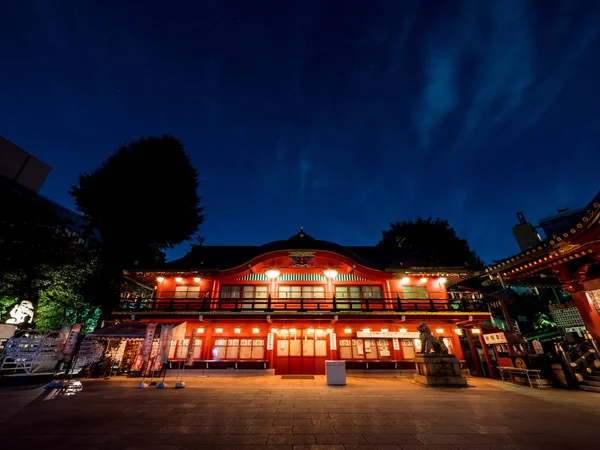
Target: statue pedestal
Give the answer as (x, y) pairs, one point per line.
(438, 370)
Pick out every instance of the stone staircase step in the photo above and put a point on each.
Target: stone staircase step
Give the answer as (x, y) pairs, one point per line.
(589, 388)
(591, 383)
(594, 378)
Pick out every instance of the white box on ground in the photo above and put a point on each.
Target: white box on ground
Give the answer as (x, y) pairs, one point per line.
(336, 373)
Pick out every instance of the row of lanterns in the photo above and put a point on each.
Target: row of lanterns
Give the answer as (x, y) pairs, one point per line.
(329, 273)
(320, 331)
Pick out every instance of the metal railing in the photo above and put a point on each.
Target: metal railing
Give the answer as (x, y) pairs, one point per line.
(206, 302)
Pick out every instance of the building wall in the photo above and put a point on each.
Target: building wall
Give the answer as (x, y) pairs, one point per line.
(18, 165)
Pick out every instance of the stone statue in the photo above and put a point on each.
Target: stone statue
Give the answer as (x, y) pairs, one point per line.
(429, 343)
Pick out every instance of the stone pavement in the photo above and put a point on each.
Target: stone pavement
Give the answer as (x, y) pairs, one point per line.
(274, 414)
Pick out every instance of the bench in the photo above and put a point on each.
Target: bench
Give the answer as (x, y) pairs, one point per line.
(529, 373)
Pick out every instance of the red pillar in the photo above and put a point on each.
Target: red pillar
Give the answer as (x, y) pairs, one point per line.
(458, 352)
(206, 352)
(473, 353)
(588, 312)
(488, 361)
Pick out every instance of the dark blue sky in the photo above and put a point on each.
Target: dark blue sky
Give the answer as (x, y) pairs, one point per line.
(338, 116)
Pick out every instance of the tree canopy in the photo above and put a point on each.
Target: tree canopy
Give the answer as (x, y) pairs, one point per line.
(143, 198)
(433, 241)
(43, 261)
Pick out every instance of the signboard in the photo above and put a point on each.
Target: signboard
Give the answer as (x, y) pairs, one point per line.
(7, 330)
(332, 341)
(166, 335)
(396, 343)
(389, 334)
(495, 338)
(537, 346)
(72, 342)
(190, 353)
(270, 339)
(148, 339)
(575, 329)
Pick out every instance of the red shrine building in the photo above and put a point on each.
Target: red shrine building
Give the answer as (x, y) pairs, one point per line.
(570, 258)
(290, 305)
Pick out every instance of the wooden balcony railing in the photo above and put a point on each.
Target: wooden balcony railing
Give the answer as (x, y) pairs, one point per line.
(454, 301)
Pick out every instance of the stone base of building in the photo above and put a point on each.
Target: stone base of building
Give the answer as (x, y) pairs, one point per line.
(439, 370)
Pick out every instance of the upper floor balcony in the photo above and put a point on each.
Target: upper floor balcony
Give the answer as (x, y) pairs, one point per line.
(210, 302)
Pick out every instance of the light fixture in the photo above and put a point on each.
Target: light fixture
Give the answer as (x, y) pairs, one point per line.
(219, 330)
(273, 330)
(160, 279)
(272, 273)
(458, 331)
(311, 330)
(366, 330)
(348, 330)
(423, 280)
(384, 330)
(200, 330)
(179, 279)
(284, 331)
(255, 330)
(443, 280)
(196, 279)
(475, 331)
(292, 330)
(320, 331)
(405, 280)
(439, 330)
(237, 330)
(330, 273)
(329, 330)
(402, 330)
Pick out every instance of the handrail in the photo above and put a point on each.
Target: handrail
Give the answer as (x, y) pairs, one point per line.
(331, 304)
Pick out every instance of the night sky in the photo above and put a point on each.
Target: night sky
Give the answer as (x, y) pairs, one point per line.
(336, 116)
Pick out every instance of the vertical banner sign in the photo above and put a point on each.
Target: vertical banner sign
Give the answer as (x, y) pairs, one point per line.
(62, 340)
(270, 339)
(148, 339)
(190, 354)
(164, 345)
(332, 341)
(69, 347)
(396, 344)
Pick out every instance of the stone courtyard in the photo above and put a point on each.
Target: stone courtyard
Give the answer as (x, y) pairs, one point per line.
(274, 414)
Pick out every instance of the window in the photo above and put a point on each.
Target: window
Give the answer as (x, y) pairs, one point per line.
(231, 291)
(187, 291)
(364, 348)
(358, 292)
(414, 292)
(250, 293)
(239, 349)
(355, 293)
(301, 291)
(372, 292)
(255, 291)
(347, 296)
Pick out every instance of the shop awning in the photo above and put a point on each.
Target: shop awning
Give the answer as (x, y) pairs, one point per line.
(137, 330)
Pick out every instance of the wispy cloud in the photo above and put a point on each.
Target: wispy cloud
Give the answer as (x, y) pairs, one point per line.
(439, 96)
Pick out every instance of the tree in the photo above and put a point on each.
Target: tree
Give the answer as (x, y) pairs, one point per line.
(433, 241)
(143, 198)
(43, 261)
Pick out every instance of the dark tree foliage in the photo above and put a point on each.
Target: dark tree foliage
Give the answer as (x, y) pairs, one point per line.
(433, 241)
(141, 199)
(42, 261)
